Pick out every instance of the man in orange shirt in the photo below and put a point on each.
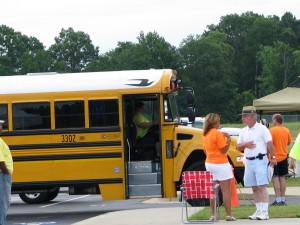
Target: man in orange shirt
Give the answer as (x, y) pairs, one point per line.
(281, 139)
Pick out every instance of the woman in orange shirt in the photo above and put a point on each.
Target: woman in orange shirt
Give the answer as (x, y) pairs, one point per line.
(216, 144)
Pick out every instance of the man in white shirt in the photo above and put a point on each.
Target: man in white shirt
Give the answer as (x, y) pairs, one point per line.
(255, 141)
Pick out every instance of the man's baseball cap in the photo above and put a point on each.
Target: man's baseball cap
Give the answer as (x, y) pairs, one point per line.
(2, 121)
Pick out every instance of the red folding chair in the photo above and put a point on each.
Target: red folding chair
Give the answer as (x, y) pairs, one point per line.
(198, 185)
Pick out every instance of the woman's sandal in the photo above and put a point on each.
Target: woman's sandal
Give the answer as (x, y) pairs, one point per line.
(230, 218)
(212, 218)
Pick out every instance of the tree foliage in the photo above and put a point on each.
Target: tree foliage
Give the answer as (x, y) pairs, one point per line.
(151, 52)
(12, 47)
(74, 49)
(208, 64)
(242, 57)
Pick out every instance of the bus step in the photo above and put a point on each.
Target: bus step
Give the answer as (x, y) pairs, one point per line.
(145, 190)
(143, 167)
(145, 178)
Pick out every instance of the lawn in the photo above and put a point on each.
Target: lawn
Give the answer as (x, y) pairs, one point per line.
(294, 127)
(242, 212)
(290, 182)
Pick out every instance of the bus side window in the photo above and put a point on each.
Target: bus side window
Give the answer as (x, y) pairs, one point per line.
(69, 114)
(103, 113)
(31, 116)
(4, 116)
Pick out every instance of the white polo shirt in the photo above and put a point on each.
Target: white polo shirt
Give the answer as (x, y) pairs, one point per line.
(259, 134)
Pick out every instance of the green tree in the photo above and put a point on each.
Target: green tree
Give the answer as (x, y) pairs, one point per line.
(156, 52)
(208, 68)
(41, 61)
(12, 46)
(72, 49)
(151, 51)
(125, 56)
(290, 30)
(277, 63)
(296, 63)
(246, 33)
(237, 28)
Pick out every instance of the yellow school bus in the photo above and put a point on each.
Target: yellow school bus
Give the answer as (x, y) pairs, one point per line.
(76, 130)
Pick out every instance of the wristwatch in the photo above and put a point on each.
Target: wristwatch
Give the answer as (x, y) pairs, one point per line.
(273, 157)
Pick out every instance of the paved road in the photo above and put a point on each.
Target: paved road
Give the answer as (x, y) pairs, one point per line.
(68, 209)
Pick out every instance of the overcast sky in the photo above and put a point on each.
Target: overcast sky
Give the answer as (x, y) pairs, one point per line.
(110, 21)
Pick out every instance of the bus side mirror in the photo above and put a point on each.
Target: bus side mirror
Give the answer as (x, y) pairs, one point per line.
(191, 114)
(190, 96)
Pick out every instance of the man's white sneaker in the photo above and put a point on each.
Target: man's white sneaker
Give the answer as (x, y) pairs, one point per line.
(263, 215)
(255, 215)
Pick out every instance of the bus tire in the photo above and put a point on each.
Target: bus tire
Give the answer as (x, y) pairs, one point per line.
(33, 198)
(52, 194)
(200, 166)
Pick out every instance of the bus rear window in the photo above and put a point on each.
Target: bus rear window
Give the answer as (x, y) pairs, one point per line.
(103, 113)
(69, 114)
(31, 116)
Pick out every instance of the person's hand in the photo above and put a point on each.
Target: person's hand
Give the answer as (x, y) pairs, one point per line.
(292, 164)
(250, 145)
(226, 134)
(273, 162)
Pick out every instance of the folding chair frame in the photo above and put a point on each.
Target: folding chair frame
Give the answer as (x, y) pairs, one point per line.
(198, 185)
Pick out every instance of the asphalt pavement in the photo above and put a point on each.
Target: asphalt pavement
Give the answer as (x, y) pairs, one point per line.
(173, 215)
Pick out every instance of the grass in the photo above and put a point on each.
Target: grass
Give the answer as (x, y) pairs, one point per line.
(290, 182)
(292, 126)
(242, 212)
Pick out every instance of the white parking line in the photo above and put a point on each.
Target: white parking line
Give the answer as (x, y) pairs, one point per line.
(64, 201)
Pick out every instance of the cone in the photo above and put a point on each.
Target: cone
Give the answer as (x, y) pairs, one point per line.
(295, 151)
(233, 192)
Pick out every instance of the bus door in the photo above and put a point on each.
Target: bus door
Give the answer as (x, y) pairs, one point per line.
(142, 155)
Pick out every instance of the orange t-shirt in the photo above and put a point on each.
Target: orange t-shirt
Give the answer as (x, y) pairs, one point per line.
(214, 140)
(281, 139)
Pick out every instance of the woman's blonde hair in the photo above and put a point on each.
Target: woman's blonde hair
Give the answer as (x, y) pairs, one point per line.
(210, 120)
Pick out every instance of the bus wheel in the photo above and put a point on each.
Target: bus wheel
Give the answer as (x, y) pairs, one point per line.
(34, 198)
(200, 166)
(52, 194)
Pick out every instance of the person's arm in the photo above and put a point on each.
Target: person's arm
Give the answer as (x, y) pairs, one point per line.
(145, 125)
(3, 168)
(250, 144)
(293, 164)
(228, 140)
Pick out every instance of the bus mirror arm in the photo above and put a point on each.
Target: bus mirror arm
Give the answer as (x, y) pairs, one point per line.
(177, 149)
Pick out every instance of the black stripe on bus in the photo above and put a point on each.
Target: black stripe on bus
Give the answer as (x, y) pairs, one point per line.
(59, 131)
(65, 145)
(65, 183)
(67, 157)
